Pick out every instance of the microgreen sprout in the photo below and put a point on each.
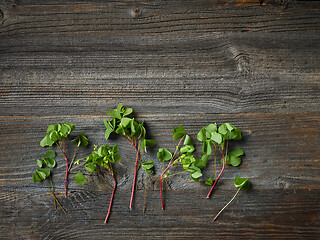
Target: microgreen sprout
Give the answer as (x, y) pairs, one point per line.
(183, 157)
(148, 167)
(57, 134)
(100, 162)
(212, 136)
(122, 123)
(42, 174)
(241, 184)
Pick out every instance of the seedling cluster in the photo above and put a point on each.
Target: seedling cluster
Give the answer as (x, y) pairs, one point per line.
(215, 141)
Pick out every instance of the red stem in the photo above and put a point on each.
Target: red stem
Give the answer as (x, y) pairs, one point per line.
(161, 180)
(135, 174)
(110, 204)
(215, 182)
(66, 177)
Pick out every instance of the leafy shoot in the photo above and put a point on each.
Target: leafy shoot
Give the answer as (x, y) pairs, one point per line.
(241, 184)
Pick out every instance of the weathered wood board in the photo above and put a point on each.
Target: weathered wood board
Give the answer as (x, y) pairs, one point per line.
(255, 64)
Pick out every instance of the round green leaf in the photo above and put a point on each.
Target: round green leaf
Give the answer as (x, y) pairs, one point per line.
(164, 155)
(50, 154)
(216, 137)
(39, 163)
(80, 178)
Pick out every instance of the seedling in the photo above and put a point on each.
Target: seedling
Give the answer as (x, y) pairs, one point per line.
(57, 134)
(241, 184)
(148, 167)
(122, 123)
(219, 138)
(183, 157)
(100, 162)
(44, 173)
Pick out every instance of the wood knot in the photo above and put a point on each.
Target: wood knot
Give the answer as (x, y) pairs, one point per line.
(135, 12)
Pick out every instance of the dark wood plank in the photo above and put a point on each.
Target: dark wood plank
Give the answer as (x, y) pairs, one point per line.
(281, 162)
(251, 63)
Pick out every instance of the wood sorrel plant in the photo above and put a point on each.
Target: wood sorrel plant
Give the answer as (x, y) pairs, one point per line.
(241, 184)
(100, 162)
(183, 157)
(44, 173)
(122, 123)
(57, 134)
(219, 138)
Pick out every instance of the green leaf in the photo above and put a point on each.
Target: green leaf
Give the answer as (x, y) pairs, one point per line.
(196, 174)
(209, 181)
(115, 148)
(46, 141)
(54, 136)
(134, 128)
(235, 161)
(236, 153)
(116, 113)
(166, 175)
(50, 154)
(242, 183)
(80, 178)
(223, 129)
(164, 155)
(126, 121)
(109, 130)
(72, 127)
(116, 157)
(39, 163)
(187, 149)
(148, 166)
(50, 162)
(211, 127)
(202, 162)
(188, 141)
(103, 151)
(147, 142)
(90, 167)
(41, 174)
(201, 135)
(127, 111)
(229, 126)
(207, 147)
(82, 140)
(178, 132)
(216, 137)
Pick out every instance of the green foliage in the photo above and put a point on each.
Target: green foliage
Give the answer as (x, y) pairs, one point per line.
(56, 132)
(178, 132)
(41, 174)
(164, 155)
(81, 140)
(209, 181)
(121, 122)
(148, 166)
(242, 183)
(186, 158)
(233, 157)
(48, 160)
(103, 157)
(80, 178)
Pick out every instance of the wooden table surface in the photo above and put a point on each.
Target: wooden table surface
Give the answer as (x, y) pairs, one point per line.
(255, 64)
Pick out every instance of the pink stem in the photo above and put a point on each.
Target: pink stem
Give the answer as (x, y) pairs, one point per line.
(66, 177)
(135, 174)
(161, 180)
(111, 200)
(223, 166)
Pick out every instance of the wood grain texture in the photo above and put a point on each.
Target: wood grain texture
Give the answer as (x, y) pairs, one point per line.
(254, 64)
